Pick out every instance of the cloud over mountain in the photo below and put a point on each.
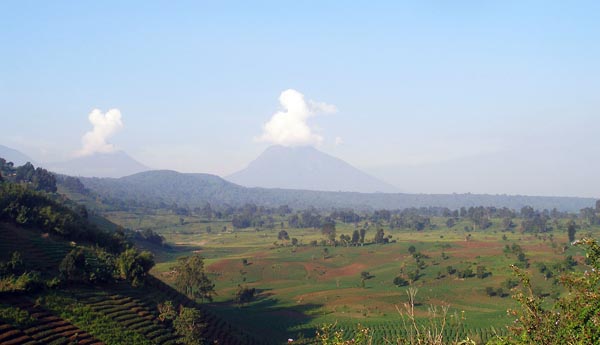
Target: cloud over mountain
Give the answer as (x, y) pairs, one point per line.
(289, 126)
(105, 126)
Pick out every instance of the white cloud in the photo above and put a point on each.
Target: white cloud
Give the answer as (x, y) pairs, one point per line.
(338, 141)
(289, 127)
(105, 126)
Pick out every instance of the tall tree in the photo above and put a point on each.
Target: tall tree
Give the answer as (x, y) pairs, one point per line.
(571, 230)
(355, 237)
(191, 279)
(73, 266)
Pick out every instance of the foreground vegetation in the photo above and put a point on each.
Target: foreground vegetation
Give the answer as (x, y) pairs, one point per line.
(76, 267)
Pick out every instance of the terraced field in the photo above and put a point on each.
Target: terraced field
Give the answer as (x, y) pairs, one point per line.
(46, 327)
(90, 314)
(43, 253)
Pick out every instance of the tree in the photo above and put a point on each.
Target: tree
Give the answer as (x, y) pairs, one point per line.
(14, 266)
(283, 235)
(481, 272)
(191, 279)
(186, 322)
(571, 230)
(379, 237)
(399, 281)
(133, 266)
(328, 229)
(355, 237)
(73, 266)
(363, 232)
(244, 295)
(574, 319)
(412, 249)
(363, 277)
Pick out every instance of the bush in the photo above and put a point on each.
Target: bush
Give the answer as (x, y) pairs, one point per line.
(574, 319)
(15, 316)
(399, 281)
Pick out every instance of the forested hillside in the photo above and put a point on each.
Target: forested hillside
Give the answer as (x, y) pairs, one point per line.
(160, 188)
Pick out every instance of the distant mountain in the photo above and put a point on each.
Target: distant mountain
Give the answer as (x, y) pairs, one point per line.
(164, 187)
(12, 155)
(306, 168)
(116, 164)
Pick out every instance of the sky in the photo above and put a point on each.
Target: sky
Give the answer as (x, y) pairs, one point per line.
(431, 96)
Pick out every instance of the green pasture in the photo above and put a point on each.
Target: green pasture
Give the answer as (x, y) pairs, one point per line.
(301, 287)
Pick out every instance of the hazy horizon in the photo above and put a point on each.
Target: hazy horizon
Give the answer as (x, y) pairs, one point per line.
(495, 98)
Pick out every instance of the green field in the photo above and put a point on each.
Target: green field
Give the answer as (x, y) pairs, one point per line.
(301, 287)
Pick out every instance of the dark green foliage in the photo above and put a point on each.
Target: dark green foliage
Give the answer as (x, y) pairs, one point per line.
(150, 236)
(399, 281)
(328, 229)
(355, 237)
(465, 272)
(410, 219)
(188, 326)
(28, 281)
(490, 291)
(380, 237)
(574, 319)
(362, 234)
(283, 235)
(73, 266)
(186, 322)
(481, 272)
(25, 207)
(244, 295)
(451, 270)
(13, 266)
(571, 230)
(155, 187)
(191, 279)
(39, 179)
(479, 216)
(412, 249)
(535, 223)
(133, 266)
(510, 283)
(413, 275)
(15, 316)
(73, 184)
(365, 275)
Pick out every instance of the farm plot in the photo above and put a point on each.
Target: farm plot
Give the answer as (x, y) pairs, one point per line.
(44, 327)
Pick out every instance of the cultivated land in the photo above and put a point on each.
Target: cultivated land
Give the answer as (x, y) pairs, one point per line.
(304, 286)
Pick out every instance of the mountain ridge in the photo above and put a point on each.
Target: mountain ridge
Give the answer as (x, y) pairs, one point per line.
(114, 164)
(15, 156)
(196, 189)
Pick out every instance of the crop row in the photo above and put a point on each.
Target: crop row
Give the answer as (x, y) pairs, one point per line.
(129, 313)
(46, 328)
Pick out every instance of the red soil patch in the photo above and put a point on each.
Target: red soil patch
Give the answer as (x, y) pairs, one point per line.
(350, 270)
(219, 266)
(328, 273)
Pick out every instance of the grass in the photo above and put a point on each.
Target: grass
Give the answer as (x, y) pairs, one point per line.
(297, 282)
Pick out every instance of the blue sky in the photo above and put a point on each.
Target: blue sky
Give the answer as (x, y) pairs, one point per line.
(478, 96)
